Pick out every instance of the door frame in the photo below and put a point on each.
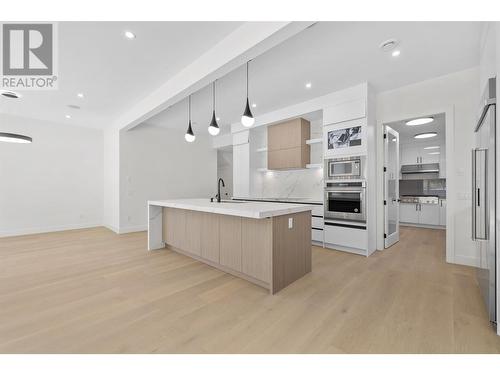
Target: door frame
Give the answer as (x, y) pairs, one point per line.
(449, 112)
(390, 240)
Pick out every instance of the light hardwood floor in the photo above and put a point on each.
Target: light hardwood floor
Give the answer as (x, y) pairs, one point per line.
(91, 291)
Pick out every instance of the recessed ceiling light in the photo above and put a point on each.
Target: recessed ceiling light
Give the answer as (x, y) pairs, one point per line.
(396, 53)
(431, 148)
(129, 35)
(11, 94)
(420, 121)
(254, 105)
(218, 118)
(388, 45)
(80, 95)
(425, 135)
(308, 85)
(434, 153)
(68, 116)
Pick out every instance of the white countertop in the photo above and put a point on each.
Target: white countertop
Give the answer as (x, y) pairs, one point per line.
(255, 210)
(283, 200)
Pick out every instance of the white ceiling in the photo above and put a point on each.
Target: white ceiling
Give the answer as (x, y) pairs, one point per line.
(406, 132)
(333, 56)
(112, 71)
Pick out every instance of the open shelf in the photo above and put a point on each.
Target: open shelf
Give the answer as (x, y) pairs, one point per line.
(314, 141)
(311, 166)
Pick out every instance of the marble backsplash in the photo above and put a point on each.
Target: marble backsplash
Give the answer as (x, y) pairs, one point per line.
(303, 183)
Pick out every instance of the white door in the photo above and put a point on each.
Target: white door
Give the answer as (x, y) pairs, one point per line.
(391, 186)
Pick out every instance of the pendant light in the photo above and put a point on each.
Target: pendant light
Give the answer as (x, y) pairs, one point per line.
(15, 138)
(213, 128)
(189, 136)
(247, 119)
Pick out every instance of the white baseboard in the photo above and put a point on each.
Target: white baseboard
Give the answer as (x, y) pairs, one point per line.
(131, 229)
(111, 228)
(58, 228)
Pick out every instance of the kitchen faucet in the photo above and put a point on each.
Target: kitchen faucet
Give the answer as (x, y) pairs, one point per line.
(218, 188)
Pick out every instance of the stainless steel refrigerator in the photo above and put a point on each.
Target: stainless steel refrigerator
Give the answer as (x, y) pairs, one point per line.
(484, 198)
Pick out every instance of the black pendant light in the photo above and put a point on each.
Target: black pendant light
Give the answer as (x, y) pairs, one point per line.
(12, 137)
(15, 138)
(247, 119)
(213, 128)
(189, 136)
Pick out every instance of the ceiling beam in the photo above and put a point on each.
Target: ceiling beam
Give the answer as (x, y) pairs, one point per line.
(245, 43)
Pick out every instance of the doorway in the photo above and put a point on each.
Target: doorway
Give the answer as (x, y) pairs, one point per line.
(391, 186)
(415, 183)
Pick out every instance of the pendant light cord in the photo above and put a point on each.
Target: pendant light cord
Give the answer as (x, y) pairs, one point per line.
(247, 78)
(189, 108)
(214, 94)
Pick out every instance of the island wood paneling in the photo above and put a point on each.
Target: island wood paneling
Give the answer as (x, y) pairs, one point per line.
(193, 232)
(263, 251)
(257, 248)
(291, 249)
(210, 236)
(230, 241)
(174, 227)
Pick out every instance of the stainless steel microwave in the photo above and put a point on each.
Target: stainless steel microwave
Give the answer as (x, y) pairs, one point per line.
(343, 168)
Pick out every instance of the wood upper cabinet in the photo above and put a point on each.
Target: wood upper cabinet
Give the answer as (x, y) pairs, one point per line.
(286, 144)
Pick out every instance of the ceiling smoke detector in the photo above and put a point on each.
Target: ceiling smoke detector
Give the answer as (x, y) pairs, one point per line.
(388, 45)
(11, 94)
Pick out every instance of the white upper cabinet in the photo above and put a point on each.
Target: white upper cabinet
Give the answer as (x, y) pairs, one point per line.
(418, 153)
(350, 110)
(409, 154)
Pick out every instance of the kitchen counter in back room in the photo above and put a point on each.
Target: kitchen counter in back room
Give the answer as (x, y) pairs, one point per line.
(266, 243)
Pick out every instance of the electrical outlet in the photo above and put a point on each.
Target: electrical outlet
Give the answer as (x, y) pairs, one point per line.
(290, 222)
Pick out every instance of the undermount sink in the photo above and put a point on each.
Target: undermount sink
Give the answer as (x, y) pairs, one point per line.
(229, 201)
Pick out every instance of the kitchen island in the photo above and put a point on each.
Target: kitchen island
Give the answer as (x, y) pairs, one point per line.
(268, 244)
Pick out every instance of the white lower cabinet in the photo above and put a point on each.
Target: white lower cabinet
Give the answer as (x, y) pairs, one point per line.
(317, 235)
(423, 214)
(317, 224)
(442, 212)
(408, 213)
(429, 214)
(346, 237)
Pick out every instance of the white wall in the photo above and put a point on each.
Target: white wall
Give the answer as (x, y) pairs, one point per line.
(157, 163)
(457, 95)
(55, 183)
(111, 179)
(487, 54)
